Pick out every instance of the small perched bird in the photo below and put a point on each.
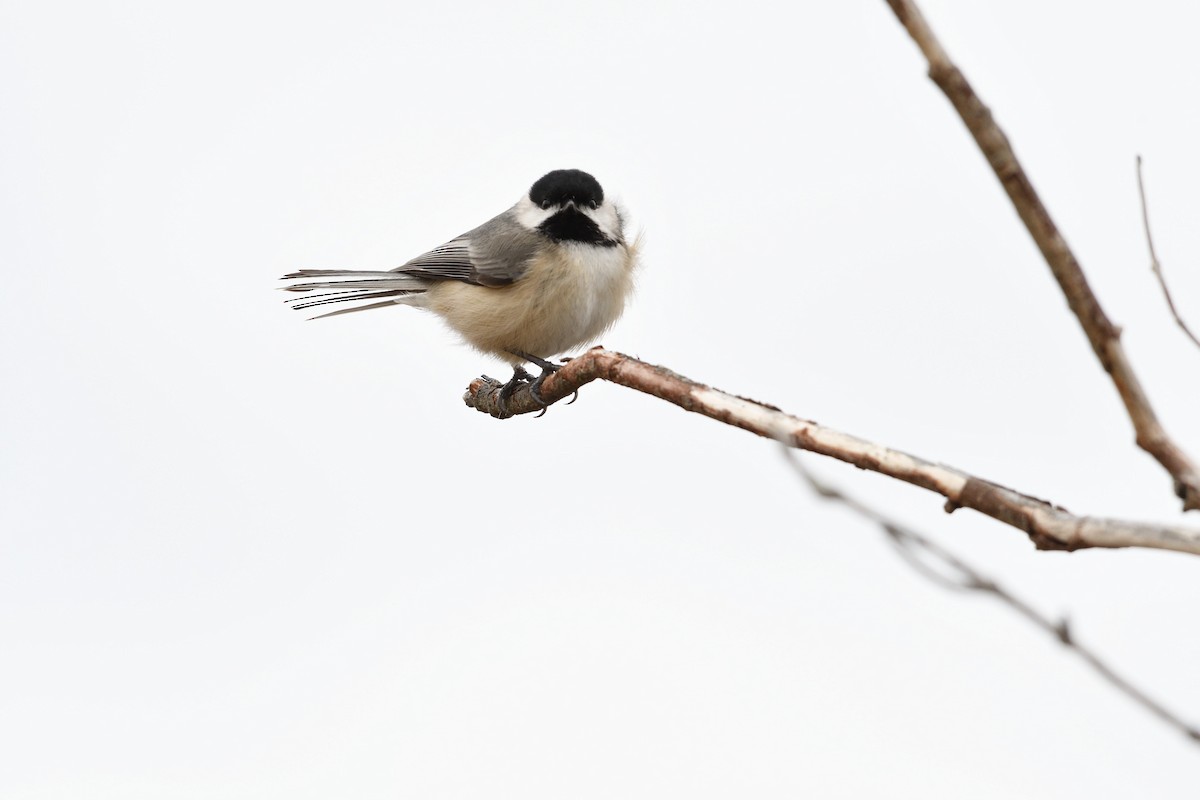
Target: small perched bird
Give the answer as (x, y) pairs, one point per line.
(549, 274)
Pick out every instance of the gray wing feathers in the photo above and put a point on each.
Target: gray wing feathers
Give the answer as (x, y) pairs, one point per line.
(494, 254)
(501, 250)
(450, 262)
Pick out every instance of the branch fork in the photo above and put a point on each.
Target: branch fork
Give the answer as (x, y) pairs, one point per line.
(1104, 336)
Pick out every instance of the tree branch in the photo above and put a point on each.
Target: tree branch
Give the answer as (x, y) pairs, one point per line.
(956, 574)
(1047, 525)
(1155, 266)
(1103, 335)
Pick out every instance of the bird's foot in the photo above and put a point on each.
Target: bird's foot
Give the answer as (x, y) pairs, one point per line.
(548, 369)
(520, 377)
(574, 394)
(536, 393)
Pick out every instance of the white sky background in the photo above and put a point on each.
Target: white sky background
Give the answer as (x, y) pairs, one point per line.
(247, 556)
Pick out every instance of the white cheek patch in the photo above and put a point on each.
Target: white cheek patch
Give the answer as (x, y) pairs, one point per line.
(530, 215)
(607, 218)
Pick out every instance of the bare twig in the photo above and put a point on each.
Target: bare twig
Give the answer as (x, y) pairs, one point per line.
(1155, 265)
(1104, 336)
(950, 571)
(1047, 525)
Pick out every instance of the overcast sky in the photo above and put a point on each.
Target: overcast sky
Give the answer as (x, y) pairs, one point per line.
(243, 555)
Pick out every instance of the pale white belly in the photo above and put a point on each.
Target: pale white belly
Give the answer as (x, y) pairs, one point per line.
(564, 300)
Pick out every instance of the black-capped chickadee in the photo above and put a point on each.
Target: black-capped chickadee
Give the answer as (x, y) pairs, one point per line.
(549, 274)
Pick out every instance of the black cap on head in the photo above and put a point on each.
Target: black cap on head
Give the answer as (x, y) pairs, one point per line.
(557, 187)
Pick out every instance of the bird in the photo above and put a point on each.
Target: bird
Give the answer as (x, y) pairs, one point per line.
(550, 274)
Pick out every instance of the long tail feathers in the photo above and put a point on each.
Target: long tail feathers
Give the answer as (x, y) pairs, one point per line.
(350, 286)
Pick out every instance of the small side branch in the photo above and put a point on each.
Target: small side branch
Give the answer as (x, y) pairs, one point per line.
(1047, 525)
(1155, 265)
(944, 568)
(1104, 336)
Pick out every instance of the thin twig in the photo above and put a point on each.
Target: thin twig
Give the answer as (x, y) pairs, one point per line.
(1047, 525)
(1155, 264)
(1103, 335)
(954, 573)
